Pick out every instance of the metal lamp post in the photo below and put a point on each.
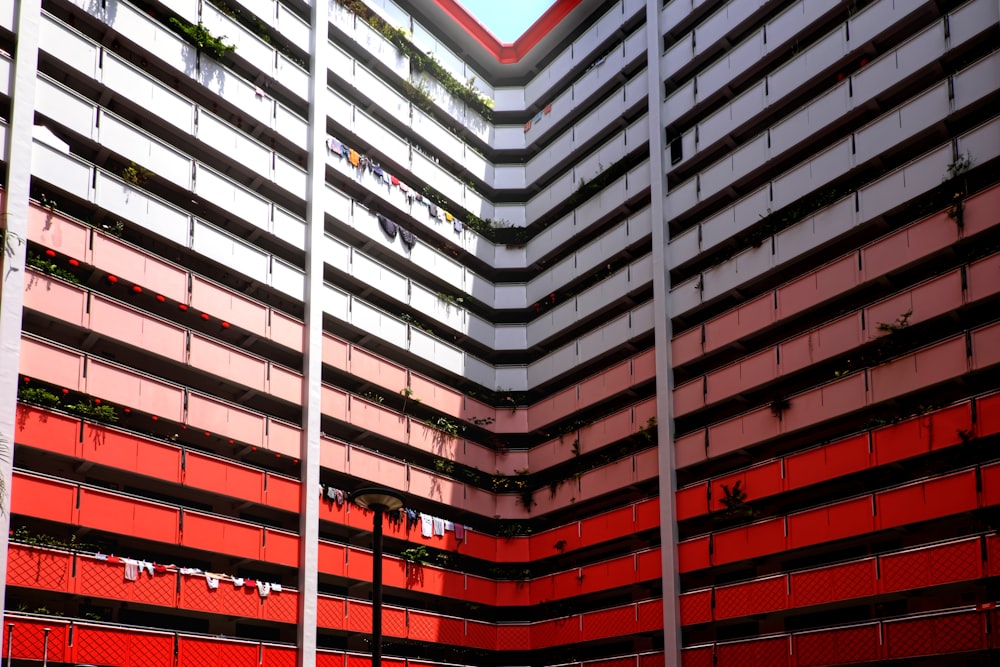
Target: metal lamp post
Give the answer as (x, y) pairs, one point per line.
(379, 500)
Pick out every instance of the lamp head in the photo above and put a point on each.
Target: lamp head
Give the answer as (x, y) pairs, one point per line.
(377, 498)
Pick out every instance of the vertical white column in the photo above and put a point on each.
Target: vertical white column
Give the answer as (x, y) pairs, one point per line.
(313, 343)
(662, 333)
(14, 226)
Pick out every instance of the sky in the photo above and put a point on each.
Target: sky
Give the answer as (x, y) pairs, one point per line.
(507, 19)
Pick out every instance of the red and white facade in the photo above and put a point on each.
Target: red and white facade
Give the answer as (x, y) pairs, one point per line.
(686, 351)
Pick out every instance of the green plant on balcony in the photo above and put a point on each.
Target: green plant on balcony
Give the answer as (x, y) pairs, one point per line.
(38, 396)
(735, 501)
(418, 554)
(444, 466)
(93, 409)
(45, 202)
(136, 174)
(46, 265)
(199, 36)
(648, 432)
(445, 425)
(899, 324)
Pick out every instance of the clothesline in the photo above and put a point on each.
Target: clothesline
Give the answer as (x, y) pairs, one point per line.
(134, 569)
(430, 526)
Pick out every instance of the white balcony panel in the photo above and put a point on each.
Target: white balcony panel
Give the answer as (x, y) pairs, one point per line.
(65, 171)
(816, 230)
(292, 27)
(473, 369)
(509, 99)
(68, 46)
(436, 135)
(552, 365)
(262, 9)
(290, 176)
(477, 165)
(338, 205)
(436, 351)
(915, 116)
(734, 114)
(372, 87)
(514, 378)
(977, 81)
(387, 281)
(813, 174)
(61, 105)
(141, 90)
(438, 178)
(431, 305)
(150, 35)
(513, 214)
(336, 253)
(810, 119)
(981, 145)
(235, 91)
(972, 19)
(602, 340)
(511, 337)
(231, 197)
(552, 321)
(368, 318)
(290, 126)
(715, 27)
(5, 70)
(288, 228)
(188, 8)
(678, 55)
(734, 63)
(249, 47)
(340, 108)
(7, 16)
(292, 77)
(125, 139)
(686, 296)
(807, 64)
(336, 303)
(288, 279)
(478, 329)
(789, 23)
(508, 137)
(732, 220)
(230, 252)
(510, 296)
(508, 176)
(425, 42)
(141, 209)
(384, 141)
(233, 144)
(375, 44)
(340, 62)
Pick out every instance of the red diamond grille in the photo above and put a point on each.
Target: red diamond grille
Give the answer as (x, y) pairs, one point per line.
(35, 568)
(422, 627)
(839, 582)
(939, 634)
(195, 594)
(97, 578)
(101, 646)
(151, 650)
(394, 622)
(359, 616)
(325, 659)
(242, 601)
(279, 656)
(734, 655)
(481, 635)
(28, 639)
(993, 552)
(609, 623)
(837, 647)
(452, 631)
(654, 660)
(283, 607)
(696, 607)
(697, 657)
(330, 613)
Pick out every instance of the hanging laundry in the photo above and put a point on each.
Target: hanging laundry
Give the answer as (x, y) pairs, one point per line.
(438, 525)
(386, 178)
(159, 569)
(448, 216)
(334, 146)
(114, 559)
(377, 170)
(341, 497)
(100, 556)
(394, 180)
(459, 531)
(131, 569)
(432, 210)
(345, 150)
(387, 225)
(190, 571)
(426, 525)
(275, 588)
(250, 583)
(263, 588)
(547, 109)
(411, 518)
(143, 565)
(331, 493)
(407, 237)
(404, 187)
(238, 582)
(457, 225)
(354, 157)
(527, 126)
(211, 581)
(449, 526)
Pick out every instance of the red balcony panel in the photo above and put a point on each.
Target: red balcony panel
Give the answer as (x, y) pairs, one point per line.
(282, 607)
(28, 639)
(749, 317)
(745, 542)
(837, 647)
(686, 346)
(559, 632)
(284, 383)
(128, 452)
(926, 367)
(105, 645)
(125, 387)
(988, 415)
(900, 441)
(746, 429)
(225, 419)
(508, 594)
(359, 565)
(287, 331)
(55, 299)
(42, 569)
(225, 304)
(649, 565)
(195, 594)
(336, 352)
(986, 346)
(930, 299)
(51, 363)
(819, 464)
(991, 484)
(835, 582)
(700, 656)
(227, 362)
(281, 547)
(811, 289)
(423, 626)
(981, 211)
(814, 346)
(757, 482)
(278, 656)
(650, 615)
(755, 597)
(595, 529)
(933, 635)
(982, 278)
(54, 231)
(205, 652)
(46, 430)
(480, 635)
(282, 492)
(542, 545)
(830, 400)
(696, 607)
(43, 498)
(357, 661)
(366, 464)
(128, 516)
(358, 615)
(224, 477)
(394, 622)
(770, 652)
(749, 372)
(943, 496)
(132, 327)
(653, 660)
(137, 266)
(690, 449)
(692, 501)
(510, 637)
(930, 566)
(689, 397)
(993, 554)
(951, 426)
(330, 612)
(693, 554)
(377, 370)
(330, 659)
(221, 535)
(608, 382)
(332, 559)
(647, 514)
(907, 245)
(98, 578)
(832, 522)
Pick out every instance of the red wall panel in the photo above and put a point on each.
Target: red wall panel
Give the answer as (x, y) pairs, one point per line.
(758, 539)
(836, 582)
(822, 463)
(837, 647)
(938, 497)
(692, 501)
(941, 564)
(950, 633)
(693, 554)
(98, 645)
(702, 656)
(28, 639)
(770, 652)
(43, 498)
(42, 569)
(278, 656)
(128, 516)
(46, 430)
(204, 652)
(991, 484)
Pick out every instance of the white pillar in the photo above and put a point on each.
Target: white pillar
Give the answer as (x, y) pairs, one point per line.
(14, 224)
(313, 343)
(662, 332)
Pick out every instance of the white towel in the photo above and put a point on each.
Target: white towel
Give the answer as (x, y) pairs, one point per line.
(212, 582)
(263, 588)
(438, 526)
(426, 525)
(131, 569)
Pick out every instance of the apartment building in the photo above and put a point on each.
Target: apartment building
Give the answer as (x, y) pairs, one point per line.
(675, 325)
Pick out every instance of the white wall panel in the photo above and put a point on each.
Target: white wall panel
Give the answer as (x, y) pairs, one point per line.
(62, 170)
(288, 279)
(62, 105)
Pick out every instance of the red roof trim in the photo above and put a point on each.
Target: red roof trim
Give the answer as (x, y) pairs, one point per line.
(508, 53)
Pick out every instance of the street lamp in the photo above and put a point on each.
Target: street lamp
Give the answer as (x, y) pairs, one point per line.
(379, 500)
